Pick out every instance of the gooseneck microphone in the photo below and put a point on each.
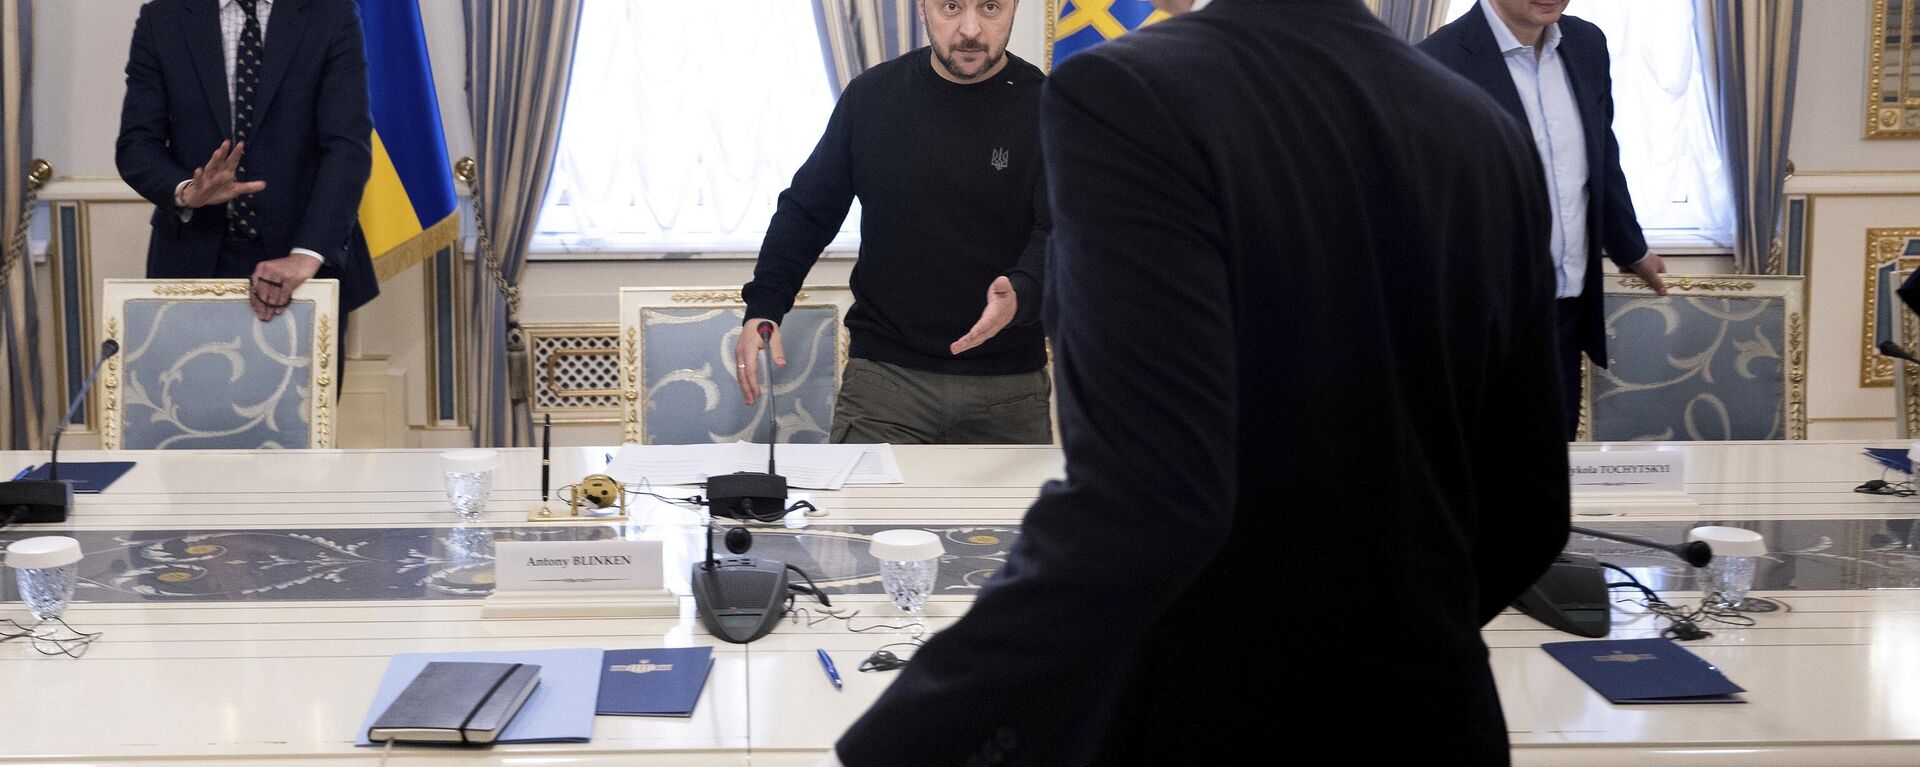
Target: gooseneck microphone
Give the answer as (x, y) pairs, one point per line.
(1572, 594)
(751, 494)
(49, 500)
(741, 598)
(108, 348)
(1696, 553)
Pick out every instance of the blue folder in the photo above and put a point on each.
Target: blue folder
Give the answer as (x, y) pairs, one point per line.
(661, 682)
(559, 711)
(1645, 671)
(89, 477)
(1894, 458)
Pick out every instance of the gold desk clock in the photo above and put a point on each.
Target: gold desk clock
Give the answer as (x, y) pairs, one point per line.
(585, 500)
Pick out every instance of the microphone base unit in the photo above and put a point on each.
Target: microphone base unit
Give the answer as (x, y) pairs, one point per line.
(1571, 596)
(747, 495)
(740, 599)
(36, 501)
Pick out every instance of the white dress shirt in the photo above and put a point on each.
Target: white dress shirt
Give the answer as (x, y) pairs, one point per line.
(233, 21)
(1560, 138)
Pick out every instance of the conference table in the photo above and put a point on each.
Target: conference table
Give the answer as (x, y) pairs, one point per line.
(249, 603)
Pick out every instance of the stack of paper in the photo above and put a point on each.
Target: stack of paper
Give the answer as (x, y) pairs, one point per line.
(816, 467)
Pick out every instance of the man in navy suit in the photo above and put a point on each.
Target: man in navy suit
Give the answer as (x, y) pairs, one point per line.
(246, 123)
(1550, 72)
(1304, 349)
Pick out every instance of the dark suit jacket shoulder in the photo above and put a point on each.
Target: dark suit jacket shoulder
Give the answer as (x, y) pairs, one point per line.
(1301, 335)
(311, 140)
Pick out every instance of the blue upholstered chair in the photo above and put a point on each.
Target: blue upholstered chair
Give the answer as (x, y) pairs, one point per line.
(1719, 358)
(197, 370)
(678, 382)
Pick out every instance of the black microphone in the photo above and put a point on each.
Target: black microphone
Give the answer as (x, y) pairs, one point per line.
(741, 598)
(108, 348)
(1696, 553)
(1898, 352)
(49, 500)
(1572, 594)
(766, 342)
(761, 497)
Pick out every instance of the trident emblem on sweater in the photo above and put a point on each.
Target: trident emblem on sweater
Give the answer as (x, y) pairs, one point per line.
(999, 160)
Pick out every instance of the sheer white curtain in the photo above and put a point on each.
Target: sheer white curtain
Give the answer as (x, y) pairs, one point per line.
(1668, 146)
(683, 124)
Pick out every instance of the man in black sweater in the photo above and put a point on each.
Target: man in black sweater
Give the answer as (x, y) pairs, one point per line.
(942, 147)
(1304, 334)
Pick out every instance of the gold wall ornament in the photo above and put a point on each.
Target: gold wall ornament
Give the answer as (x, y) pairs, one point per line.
(214, 289)
(1893, 74)
(110, 420)
(465, 170)
(39, 173)
(1884, 247)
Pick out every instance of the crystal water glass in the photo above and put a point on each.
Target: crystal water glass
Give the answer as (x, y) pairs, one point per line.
(47, 568)
(909, 565)
(469, 478)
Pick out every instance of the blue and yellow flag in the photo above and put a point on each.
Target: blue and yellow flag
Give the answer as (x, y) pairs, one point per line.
(409, 211)
(1076, 25)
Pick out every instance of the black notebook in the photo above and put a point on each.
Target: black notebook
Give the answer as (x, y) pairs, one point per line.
(452, 702)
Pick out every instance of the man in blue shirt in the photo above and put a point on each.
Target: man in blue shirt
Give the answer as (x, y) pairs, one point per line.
(1550, 71)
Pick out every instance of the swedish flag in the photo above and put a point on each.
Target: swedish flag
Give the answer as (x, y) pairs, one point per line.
(409, 209)
(1076, 25)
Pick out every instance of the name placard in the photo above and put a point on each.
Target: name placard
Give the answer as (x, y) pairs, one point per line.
(1638, 471)
(578, 566)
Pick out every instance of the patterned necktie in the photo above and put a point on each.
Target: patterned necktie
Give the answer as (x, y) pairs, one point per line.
(242, 219)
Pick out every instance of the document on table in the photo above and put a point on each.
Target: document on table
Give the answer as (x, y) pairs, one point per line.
(816, 467)
(876, 467)
(666, 464)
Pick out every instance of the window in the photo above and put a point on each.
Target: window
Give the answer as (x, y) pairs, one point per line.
(1662, 117)
(683, 123)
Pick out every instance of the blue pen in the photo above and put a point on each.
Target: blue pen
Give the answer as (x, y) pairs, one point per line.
(23, 473)
(833, 674)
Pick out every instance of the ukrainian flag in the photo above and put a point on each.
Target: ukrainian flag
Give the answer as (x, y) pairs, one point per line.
(409, 210)
(1076, 25)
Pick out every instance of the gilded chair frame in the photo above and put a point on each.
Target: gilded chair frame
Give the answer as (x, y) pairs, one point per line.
(323, 295)
(1906, 375)
(1791, 292)
(633, 301)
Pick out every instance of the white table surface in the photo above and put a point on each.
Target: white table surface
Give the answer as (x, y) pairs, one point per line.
(1833, 680)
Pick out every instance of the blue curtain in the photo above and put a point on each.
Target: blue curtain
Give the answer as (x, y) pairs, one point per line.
(23, 423)
(519, 58)
(857, 34)
(1755, 49)
(1412, 20)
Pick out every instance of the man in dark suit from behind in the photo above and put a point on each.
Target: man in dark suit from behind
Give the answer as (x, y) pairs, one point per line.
(246, 123)
(1303, 330)
(1550, 71)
